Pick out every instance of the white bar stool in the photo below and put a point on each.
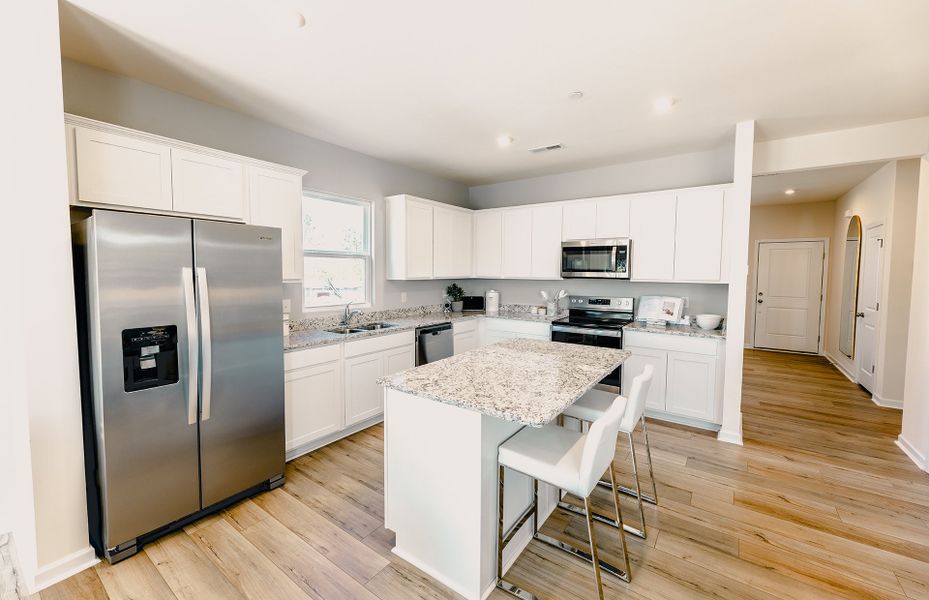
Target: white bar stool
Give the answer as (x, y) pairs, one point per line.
(572, 461)
(590, 407)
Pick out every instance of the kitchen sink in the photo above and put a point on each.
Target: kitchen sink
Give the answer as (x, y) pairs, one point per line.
(361, 328)
(374, 326)
(341, 330)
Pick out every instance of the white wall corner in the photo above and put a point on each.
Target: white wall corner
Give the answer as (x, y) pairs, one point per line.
(917, 457)
(738, 240)
(50, 574)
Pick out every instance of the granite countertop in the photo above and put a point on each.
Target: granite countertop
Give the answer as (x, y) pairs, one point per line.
(521, 380)
(684, 330)
(301, 340)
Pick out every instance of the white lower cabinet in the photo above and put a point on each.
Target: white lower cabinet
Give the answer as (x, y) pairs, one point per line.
(464, 336)
(366, 361)
(691, 386)
(687, 382)
(636, 363)
(331, 391)
(312, 395)
(494, 330)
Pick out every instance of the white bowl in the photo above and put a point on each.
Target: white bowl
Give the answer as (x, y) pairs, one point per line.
(709, 321)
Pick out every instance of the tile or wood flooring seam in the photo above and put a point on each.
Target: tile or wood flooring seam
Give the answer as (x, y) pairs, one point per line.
(818, 503)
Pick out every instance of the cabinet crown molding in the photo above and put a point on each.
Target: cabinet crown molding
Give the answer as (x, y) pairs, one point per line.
(72, 119)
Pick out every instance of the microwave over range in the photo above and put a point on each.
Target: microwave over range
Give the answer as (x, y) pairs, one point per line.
(607, 258)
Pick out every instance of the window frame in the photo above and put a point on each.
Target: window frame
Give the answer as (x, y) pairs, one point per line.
(367, 255)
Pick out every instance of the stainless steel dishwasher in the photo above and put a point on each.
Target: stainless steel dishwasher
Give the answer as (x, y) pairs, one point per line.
(433, 343)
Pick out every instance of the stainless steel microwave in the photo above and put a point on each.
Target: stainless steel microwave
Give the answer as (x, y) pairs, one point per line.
(597, 259)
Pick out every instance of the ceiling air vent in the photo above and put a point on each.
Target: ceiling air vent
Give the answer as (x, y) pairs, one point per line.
(547, 148)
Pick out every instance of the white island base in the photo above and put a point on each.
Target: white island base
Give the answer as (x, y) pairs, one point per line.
(440, 491)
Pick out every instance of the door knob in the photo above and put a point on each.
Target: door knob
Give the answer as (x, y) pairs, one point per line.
(760, 301)
(860, 315)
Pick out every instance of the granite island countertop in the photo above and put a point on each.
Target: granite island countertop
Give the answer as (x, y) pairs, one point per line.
(300, 340)
(521, 380)
(684, 330)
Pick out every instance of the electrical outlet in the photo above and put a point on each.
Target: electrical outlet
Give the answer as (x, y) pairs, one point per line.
(402, 297)
(287, 305)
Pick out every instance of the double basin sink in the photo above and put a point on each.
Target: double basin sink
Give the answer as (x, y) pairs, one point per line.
(361, 328)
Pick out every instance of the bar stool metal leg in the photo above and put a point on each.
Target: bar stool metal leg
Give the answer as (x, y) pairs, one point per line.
(619, 519)
(638, 490)
(651, 474)
(503, 537)
(595, 556)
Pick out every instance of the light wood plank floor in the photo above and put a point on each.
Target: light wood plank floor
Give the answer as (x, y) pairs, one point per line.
(819, 503)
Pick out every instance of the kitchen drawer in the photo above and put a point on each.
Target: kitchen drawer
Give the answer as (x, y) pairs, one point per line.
(464, 326)
(378, 343)
(674, 343)
(299, 359)
(540, 328)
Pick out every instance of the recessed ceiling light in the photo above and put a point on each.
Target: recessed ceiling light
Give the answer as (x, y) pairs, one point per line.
(576, 95)
(790, 191)
(504, 140)
(663, 104)
(298, 19)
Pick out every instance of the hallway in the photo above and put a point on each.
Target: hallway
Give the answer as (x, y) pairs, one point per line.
(819, 503)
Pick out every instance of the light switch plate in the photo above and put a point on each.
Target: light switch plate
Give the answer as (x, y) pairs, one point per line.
(403, 297)
(287, 305)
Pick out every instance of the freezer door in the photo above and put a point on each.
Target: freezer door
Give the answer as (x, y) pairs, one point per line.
(239, 290)
(139, 286)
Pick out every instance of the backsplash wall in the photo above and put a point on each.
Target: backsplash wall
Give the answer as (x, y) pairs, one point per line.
(703, 298)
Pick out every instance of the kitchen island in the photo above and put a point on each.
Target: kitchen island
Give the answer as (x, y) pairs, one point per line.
(443, 424)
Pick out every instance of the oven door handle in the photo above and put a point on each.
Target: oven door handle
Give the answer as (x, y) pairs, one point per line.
(581, 330)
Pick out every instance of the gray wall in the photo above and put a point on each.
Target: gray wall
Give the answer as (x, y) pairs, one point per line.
(681, 170)
(703, 298)
(105, 96)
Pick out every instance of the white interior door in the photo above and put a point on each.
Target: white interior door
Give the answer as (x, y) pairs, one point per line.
(788, 297)
(869, 295)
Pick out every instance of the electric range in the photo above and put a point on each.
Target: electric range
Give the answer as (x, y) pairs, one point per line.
(595, 321)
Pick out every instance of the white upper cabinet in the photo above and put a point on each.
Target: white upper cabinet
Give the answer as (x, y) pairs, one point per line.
(488, 243)
(651, 229)
(110, 168)
(698, 242)
(409, 237)
(451, 243)
(613, 217)
(546, 241)
(275, 200)
(579, 220)
(517, 242)
(208, 185)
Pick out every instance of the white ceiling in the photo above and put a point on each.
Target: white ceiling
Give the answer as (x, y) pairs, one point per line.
(817, 185)
(433, 84)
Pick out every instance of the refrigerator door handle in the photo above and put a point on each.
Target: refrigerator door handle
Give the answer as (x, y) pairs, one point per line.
(203, 293)
(193, 344)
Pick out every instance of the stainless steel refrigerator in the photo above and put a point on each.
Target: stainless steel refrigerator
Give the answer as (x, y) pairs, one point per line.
(182, 370)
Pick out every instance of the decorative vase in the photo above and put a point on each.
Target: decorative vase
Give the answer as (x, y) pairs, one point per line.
(458, 306)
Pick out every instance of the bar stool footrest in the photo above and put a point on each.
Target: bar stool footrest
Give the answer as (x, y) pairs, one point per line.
(629, 492)
(605, 566)
(577, 510)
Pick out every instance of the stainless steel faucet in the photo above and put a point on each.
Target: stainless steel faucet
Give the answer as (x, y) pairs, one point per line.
(348, 314)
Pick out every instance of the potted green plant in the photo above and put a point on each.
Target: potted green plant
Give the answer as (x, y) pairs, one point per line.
(455, 296)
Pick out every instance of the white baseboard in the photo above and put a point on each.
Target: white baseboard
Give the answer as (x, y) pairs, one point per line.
(840, 367)
(887, 402)
(332, 437)
(65, 567)
(428, 570)
(913, 453)
(730, 437)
